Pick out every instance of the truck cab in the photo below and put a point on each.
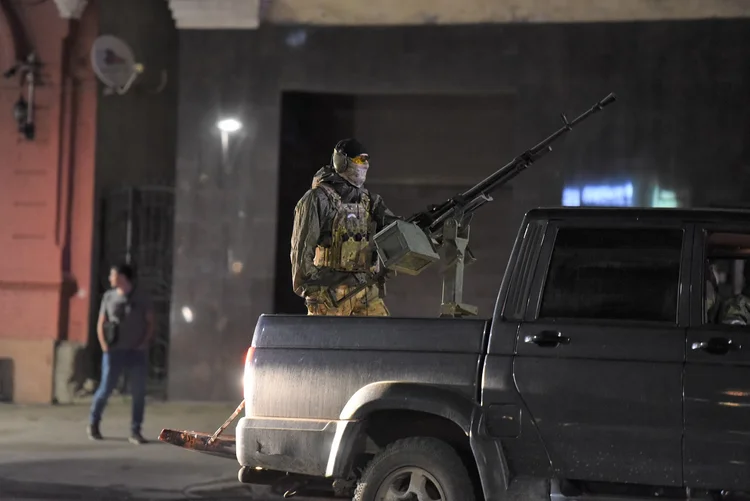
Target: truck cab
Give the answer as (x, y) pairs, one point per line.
(613, 365)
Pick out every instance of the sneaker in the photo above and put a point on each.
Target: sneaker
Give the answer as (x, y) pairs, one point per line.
(137, 438)
(92, 431)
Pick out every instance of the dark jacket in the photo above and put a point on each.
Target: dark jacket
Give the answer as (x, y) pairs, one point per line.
(313, 216)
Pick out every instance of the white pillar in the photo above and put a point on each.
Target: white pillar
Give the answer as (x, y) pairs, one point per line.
(216, 14)
(71, 9)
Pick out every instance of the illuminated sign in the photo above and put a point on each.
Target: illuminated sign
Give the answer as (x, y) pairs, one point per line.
(599, 195)
(615, 195)
(664, 198)
(571, 197)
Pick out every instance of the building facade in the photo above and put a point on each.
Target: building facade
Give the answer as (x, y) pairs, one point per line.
(441, 95)
(55, 174)
(440, 107)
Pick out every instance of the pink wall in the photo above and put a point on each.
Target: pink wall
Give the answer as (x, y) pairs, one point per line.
(47, 184)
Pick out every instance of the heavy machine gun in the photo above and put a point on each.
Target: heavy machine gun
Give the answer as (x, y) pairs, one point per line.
(441, 233)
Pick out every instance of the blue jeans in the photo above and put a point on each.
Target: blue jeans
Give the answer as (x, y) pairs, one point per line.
(113, 363)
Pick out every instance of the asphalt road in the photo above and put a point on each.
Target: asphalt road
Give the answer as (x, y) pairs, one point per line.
(45, 455)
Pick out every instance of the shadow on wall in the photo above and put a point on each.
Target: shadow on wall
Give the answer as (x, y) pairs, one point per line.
(6, 379)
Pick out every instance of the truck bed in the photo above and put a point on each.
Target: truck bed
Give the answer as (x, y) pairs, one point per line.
(310, 367)
(444, 335)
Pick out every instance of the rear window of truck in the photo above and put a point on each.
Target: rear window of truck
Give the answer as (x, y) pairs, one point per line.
(615, 274)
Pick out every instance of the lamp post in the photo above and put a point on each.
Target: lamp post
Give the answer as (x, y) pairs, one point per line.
(227, 126)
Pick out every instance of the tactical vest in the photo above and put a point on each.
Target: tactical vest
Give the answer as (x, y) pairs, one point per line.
(350, 234)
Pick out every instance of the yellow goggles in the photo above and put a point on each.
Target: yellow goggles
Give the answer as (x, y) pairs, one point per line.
(361, 159)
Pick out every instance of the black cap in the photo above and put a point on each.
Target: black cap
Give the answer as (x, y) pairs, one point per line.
(351, 147)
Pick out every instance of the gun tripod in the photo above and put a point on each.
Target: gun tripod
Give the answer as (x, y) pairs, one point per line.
(454, 256)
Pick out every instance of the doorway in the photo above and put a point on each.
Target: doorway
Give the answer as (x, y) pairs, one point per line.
(311, 125)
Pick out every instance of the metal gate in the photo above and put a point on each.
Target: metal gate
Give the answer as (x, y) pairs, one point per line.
(137, 228)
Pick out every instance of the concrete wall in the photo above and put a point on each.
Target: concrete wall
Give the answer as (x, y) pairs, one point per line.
(136, 138)
(136, 145)
(680, 123)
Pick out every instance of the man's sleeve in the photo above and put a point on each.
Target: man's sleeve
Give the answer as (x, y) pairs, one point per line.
(305, 236)
(103, 304)
(381, 213)
(736, 310)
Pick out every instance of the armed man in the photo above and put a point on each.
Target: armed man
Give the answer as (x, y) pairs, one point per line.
(736, 309)
(334, 222)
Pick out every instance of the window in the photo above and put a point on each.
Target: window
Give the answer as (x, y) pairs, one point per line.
(616, 274)
(726, 297)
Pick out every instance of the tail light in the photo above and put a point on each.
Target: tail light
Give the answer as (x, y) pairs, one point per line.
(248, 381)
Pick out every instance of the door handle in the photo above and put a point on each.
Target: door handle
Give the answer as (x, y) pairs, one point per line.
(547, 339)
(717, 346)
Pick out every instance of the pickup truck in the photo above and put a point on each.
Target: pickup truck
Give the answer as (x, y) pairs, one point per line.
(602, 373)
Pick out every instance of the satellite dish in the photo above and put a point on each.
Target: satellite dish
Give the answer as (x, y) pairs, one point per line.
(114, 63)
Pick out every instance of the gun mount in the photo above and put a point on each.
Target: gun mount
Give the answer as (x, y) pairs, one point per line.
(441, 233)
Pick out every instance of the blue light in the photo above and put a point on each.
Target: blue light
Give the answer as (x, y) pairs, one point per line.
(571, 197)
(600, 195)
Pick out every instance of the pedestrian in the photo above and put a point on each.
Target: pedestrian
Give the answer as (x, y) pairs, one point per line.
(125, 329)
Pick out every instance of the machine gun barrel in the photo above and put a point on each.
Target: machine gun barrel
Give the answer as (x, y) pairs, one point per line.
(433, 219)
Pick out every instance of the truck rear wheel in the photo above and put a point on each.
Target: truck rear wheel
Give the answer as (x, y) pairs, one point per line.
(415, 469)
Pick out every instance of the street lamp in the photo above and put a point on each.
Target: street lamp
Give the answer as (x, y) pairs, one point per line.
(229, 125)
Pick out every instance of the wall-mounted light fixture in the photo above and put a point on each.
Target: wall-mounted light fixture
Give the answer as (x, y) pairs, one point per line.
(21, 113)
(229, 125)
(23, 110)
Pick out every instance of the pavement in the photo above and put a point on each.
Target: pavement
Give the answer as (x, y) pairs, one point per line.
(45, 455)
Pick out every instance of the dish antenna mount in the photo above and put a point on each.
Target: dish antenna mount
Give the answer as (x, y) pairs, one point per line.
(114, 64)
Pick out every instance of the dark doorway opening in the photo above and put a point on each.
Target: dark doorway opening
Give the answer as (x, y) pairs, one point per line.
(311, 124)
(137, 227)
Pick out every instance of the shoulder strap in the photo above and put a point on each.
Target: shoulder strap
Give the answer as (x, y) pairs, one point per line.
(367, 200)
(335, 197)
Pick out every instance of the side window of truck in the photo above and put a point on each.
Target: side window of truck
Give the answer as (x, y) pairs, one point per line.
(727, 279)
(614, 274)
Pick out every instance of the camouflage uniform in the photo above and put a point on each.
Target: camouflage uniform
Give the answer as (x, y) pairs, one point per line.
(333, 223)
(736, 310)
(712, 303)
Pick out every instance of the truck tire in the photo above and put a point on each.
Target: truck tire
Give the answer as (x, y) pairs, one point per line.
(426, 467)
